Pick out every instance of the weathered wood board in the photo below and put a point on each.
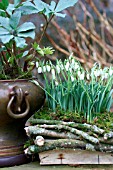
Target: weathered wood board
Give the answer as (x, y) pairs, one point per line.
(71, 156)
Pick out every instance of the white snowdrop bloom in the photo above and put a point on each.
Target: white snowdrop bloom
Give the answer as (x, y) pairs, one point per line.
(67, 66)
(101, 71)
(110, 72)
(39, 141)
(39, 70)
(76, 66)
(48, 68)
(26, 151)
(79, 73)
(70, 69)
(53, 73)
(88, 76)
(56, 83)
(72, 78)
(37, 64)
(62, 67)
(81, 76)
(106, 75)
(44, 69)
(58, 69)
(97, 73)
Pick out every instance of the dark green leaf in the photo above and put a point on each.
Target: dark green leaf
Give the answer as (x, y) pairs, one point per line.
(2, 13)
(5, 3)
(27, 26)
(63, 4)
(19, 56)
(16, 2)
(28, 8)
(6, 38)
(40, 5)
(52, 6)
(20, 42)
(3, 31)
(5, 23)
(1, 6)
(26, 34)
(10, 9)
(15, 19)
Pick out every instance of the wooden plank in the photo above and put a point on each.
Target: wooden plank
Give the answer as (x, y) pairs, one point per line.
(71, 156)
(68, 156)
(105, 158)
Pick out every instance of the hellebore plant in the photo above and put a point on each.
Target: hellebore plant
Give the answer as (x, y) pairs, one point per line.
(13, 35)
(74, 89)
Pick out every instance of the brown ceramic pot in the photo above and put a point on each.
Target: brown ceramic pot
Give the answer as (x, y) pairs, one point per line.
(18, 101)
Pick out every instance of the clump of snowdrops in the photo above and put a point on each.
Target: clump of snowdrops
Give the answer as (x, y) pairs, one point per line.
(75, 89)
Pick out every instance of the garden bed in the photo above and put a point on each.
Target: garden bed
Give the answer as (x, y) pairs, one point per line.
(67, 139)
(77, 115)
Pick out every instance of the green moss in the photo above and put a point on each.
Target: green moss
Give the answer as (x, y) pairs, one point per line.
(102, 120)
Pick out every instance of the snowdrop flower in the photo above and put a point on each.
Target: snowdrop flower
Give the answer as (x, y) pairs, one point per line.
(56, 83)
(44, 69)
(62, 67)
(39, 141)
(58, 69)
(53, 73)
(97, 73)
(67, 66)
(76, 66)
(79, 73)
(101, 71)
(110, 72)
(106, 75)
(81, 76)
(72, 79)
(37, 64)
(88, 76)
(48, 68)
(70, 69)
(39, 70)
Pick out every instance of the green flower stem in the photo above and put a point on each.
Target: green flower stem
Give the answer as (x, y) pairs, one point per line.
(36, 83)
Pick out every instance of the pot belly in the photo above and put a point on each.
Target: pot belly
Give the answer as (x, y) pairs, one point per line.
(12, 120)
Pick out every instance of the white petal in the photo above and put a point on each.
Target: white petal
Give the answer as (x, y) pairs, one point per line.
(44, 69)
(37, 64)
(39, 70)
(48, 68)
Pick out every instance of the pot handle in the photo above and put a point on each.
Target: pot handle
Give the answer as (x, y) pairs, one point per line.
(17, 96)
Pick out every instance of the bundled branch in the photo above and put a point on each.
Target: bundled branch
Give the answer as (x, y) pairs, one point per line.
(68, 143)
(88, 42)
(67, 135)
